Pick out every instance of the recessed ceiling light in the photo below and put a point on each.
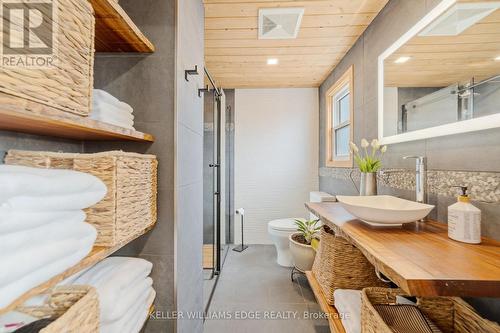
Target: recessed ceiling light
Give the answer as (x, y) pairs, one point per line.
(272, 61)
(401, 60)
(497, 58)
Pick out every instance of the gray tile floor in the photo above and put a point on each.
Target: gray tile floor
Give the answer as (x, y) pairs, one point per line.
(252, 286)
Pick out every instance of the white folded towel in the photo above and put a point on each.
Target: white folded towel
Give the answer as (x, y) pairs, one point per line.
(29, 189)
(127, 300)
(15, 221)
(28, 251)
(103, 96)
(112, 111)
(112, 121)
(135, 326)
(112, 277)
(134, 318)
(348, 304)
(10, 292)
(115, 122)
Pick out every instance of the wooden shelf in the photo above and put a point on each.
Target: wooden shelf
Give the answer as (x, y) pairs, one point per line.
(115, 31)
(97, 254)
(333, 316)
(419, 257)
(81, 128)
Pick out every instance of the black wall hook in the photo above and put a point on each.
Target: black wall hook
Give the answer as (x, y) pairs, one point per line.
(203, 90)
(191, 72)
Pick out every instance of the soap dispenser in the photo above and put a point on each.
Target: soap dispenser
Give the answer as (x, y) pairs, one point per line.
(464, 220)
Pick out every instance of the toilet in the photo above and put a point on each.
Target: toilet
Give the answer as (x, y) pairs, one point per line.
(281, 229)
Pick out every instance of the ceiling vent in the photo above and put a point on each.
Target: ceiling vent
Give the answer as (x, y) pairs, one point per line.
(460, 17)
(279, 23)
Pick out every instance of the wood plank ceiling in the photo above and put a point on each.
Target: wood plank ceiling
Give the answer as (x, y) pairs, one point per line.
(236, 58)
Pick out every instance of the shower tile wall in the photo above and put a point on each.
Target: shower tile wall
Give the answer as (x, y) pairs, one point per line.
(473, 152)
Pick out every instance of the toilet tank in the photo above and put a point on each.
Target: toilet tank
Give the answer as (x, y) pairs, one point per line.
(320, 197)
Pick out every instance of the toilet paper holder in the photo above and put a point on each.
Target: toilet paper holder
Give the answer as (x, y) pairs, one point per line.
(242, 246)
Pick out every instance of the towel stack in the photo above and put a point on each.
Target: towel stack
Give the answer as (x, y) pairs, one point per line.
(125, 292)
(42, 229)
(108, 109)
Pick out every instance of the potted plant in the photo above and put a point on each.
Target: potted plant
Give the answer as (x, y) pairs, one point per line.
(300, 244)
(368, 163)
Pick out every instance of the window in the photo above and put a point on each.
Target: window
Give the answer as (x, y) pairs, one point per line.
(339, 125)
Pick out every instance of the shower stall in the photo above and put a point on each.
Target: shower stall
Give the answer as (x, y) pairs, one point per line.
(217, 181)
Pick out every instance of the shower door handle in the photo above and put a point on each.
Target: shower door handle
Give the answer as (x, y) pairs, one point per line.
(214, 165)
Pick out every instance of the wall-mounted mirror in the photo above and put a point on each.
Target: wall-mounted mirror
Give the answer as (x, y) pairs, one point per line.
(443, 76)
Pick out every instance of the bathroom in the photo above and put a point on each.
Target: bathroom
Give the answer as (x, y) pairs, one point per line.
(182, 140)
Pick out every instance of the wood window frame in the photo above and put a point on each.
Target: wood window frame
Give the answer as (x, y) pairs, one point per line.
(346, 79)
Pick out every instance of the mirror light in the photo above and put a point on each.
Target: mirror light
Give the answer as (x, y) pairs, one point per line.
(272, 61)
(402, 60)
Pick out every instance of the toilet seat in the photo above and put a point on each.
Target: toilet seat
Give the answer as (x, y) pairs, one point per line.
(283, 225)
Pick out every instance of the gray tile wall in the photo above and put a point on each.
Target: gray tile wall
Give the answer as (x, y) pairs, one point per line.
(477, 151)
(189, 166)
(146, 82)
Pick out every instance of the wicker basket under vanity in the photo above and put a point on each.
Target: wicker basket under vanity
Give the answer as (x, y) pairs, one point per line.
(75, 307)
(340, 265)
(130, 205)
(449, 314)
(65, 89)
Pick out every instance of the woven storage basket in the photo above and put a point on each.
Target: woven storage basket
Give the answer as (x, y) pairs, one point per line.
(75, 307)
(450, 314)
(340, 265)
(66, 87)
(129, 206)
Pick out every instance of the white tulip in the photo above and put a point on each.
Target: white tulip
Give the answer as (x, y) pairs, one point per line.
(383, 149)
(354, 148)
(375, 144)
(364, 143)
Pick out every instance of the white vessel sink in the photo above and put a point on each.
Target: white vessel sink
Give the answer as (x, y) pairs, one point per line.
(384, 210)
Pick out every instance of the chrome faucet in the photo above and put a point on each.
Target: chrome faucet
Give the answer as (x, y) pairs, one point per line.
(420, 178)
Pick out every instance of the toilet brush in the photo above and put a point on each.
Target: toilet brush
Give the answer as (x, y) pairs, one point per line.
(242, 247)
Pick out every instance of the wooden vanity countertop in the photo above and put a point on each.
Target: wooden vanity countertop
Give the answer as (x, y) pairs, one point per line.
(419, 257)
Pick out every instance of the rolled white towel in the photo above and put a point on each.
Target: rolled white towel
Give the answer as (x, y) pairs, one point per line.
(25, 188)
(127, 300)
(134, 318)
(348, 304)
(15, 221)
(10, 292)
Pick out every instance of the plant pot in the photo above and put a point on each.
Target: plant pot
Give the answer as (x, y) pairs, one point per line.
(302, 254)
(368, 183)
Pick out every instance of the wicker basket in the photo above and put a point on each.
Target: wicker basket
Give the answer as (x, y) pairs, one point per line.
(340, 265)
(450, 314)
(75, 307)
(65, 89)
(130, 205)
